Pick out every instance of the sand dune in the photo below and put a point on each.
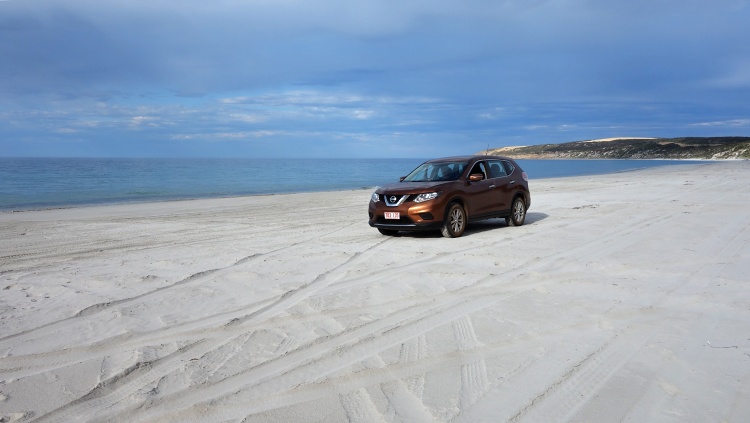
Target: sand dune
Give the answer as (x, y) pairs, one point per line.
(623, 298)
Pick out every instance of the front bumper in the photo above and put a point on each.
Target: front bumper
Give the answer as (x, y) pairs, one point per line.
(431, 226)
(414, 217)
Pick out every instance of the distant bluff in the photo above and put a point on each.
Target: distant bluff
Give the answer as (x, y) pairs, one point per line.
(634, 148)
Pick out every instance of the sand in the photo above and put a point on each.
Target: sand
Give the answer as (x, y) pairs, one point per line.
(624, 297)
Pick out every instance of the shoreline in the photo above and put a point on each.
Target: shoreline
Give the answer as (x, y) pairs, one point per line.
(216, 197)
(175, 200)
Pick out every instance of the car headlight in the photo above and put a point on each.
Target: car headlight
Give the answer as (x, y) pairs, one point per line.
(426, 197)
(375, 197)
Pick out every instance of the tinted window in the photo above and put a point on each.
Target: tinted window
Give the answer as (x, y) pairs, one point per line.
(508, 167)
(497, 169)
(441, 171)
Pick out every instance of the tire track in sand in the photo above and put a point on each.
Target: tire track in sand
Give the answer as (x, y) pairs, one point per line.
(88, 312)
(315, 361)
(324, 280)
(474, 382)
(359, 407)
(91, 311)
(234, 407)
(574, 386)
(119, 387)
(86, 406)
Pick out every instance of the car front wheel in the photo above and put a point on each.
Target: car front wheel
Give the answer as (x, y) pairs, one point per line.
(455, 221)
(517, 213)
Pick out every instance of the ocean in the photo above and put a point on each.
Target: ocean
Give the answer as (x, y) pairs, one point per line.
(41, 183)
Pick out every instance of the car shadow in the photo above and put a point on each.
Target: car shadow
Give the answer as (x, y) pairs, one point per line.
(534, 217)
(477, 227)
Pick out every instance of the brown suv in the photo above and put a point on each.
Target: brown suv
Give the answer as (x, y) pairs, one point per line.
(446, 194)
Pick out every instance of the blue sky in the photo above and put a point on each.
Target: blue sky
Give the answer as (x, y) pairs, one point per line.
(369, 78)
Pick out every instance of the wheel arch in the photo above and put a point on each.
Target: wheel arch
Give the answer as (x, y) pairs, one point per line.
(524, 196)
(455, 199)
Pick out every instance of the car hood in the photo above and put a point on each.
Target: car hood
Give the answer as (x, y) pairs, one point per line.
(413, 187)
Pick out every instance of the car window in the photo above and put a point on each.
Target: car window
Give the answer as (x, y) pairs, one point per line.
(497, 169)
(479, 168)
(508, 166)
(448, 171)
(430, 172)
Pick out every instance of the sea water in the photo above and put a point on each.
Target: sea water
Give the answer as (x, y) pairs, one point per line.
(38, 183)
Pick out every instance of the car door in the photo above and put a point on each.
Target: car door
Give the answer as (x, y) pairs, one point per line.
(504, 185)
(480, 194)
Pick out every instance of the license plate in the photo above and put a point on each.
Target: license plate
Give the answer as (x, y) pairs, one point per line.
(392, 215)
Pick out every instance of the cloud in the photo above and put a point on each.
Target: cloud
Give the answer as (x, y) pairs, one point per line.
(733, 123)
(95, 48)
(478, 71)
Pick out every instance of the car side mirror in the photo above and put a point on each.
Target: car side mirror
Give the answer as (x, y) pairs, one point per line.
(401, 179)
(476, 177)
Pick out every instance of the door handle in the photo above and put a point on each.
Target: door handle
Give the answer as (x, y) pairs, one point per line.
(492, 186)
(512, 182)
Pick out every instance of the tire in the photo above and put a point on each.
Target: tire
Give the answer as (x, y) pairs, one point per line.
(517, 213)
(455, 221)
(387, 232)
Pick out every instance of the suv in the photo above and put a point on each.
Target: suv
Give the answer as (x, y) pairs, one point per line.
(446, 194)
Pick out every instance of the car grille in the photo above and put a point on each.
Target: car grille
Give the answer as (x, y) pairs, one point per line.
(399, 198)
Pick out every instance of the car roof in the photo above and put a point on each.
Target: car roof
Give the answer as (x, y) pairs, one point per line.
(465, 158)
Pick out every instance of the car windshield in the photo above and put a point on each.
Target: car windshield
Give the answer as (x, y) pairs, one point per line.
(441, 171)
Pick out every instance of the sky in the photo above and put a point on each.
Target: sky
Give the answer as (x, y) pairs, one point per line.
(366, 78)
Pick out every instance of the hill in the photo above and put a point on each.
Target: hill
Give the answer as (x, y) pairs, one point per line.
(635, 148)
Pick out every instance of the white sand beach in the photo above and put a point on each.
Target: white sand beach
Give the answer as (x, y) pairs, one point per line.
(624, 298)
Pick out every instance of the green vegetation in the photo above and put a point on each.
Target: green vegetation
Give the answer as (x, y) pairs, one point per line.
(629, 148)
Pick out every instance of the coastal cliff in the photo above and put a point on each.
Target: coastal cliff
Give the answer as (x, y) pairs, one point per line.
(635, 148)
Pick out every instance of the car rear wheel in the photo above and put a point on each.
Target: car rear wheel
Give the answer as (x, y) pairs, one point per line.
(455, 221)
(387, 232)
(517, 213)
